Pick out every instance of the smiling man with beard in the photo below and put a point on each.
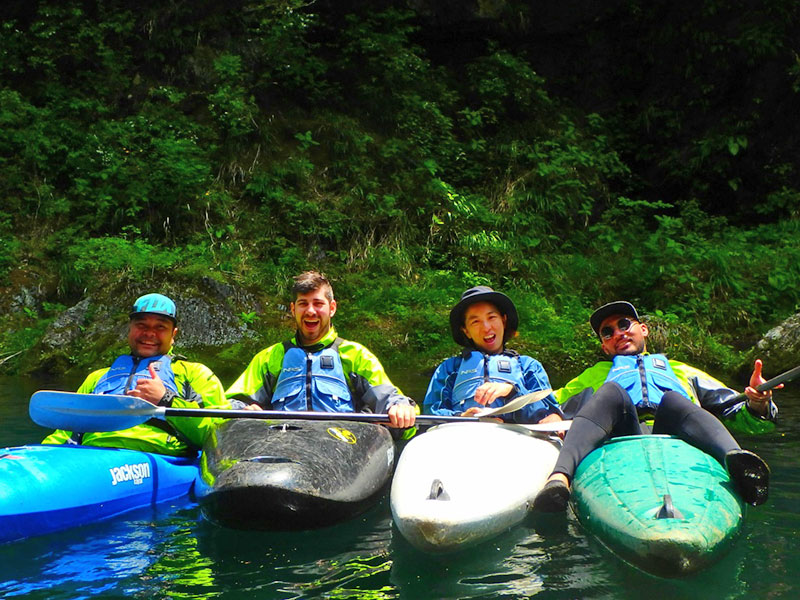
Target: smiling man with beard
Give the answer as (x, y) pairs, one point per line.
(317, 370)
(637, 392)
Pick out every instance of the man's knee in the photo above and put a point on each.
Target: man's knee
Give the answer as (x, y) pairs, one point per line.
(673, 409)
(571, 407)
(675, 402)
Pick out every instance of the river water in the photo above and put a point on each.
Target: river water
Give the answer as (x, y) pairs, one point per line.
(171, 552)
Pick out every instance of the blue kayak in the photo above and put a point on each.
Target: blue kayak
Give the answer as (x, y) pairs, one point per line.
(49, 488)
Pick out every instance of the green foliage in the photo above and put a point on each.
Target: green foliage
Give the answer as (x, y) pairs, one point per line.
(649, 153)
(701, 99)
(124, 258)
(113, 188)
(232, 106)
(697, 267)
(248, 318)
(11, 246)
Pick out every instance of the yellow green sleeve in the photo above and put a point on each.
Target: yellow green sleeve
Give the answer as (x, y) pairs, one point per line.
(593, 377)
(203, 381)
(250, 384)
(59, 436)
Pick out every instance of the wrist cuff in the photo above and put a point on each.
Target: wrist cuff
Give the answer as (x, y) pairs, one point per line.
(167, 398)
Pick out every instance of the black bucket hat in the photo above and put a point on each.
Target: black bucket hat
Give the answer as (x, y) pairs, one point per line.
(620, 307)
(482, 293)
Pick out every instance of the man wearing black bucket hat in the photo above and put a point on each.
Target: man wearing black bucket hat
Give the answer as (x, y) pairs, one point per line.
(637, 392)
(486, 373)
(151, 371)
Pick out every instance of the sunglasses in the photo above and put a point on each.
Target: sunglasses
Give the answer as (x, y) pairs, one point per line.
(624, 324)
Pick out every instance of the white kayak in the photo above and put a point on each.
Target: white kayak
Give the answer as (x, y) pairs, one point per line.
(460, 484)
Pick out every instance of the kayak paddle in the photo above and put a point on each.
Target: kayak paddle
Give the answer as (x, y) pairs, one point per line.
(107, 412)
(515, 404)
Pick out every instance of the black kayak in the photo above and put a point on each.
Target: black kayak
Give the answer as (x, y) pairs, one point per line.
(290, 475)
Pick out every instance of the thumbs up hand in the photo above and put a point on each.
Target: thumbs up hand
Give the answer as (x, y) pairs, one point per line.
(152, 389)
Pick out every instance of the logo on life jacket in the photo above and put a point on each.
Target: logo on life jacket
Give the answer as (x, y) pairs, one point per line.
(659, 364)
(342, 435)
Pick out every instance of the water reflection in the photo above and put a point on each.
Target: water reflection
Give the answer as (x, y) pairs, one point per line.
(171, 552)
(89, 560)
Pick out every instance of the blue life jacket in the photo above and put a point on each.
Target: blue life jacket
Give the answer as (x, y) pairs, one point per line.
(127, 369)
(478, 368)
(312, 380)
(646, 378)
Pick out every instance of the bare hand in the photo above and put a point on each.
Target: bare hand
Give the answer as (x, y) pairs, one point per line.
(757, 401)
(402, 416)
(554, 418)
(491, 391)
(152, 389)
(470, 412)
(551, 418)
(253, 406)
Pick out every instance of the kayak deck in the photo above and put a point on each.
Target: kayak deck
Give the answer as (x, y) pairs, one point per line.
(291, 475)
(660, 504)
(47, 488)
(458, 485)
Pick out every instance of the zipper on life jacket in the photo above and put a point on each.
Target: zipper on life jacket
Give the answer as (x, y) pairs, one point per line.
(309, 400)
(485, 368)
(643, 378)
(136, 360)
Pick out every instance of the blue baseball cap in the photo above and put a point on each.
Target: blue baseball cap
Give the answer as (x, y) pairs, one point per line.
(155, 304)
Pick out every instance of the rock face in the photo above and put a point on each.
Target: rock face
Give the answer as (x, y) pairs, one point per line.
(210, 315)
(83, 319)
(780, 347)
(202, 320)
(203, 323)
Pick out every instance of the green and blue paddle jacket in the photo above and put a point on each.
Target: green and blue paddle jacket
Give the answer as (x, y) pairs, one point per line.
(197, 386)
(370, 387)
(702, 388)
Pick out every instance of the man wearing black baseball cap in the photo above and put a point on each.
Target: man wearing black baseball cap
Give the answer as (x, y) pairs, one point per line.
(637, 392)
(151, 371)
(486, 373)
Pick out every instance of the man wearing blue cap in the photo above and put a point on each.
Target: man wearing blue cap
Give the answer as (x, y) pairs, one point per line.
(151, 372)
(637, 392)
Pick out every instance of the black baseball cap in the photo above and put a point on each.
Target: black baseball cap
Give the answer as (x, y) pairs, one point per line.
(620, 307)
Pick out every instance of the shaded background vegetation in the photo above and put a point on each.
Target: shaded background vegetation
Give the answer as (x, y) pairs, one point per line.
(566, 153)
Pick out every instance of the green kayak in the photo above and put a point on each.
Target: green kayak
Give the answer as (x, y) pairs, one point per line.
(658, 503)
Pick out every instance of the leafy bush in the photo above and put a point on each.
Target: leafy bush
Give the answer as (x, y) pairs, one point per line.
(651, 156)
(117, 256)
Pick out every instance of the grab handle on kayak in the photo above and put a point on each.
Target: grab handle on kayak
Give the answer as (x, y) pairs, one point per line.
(437, 491)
